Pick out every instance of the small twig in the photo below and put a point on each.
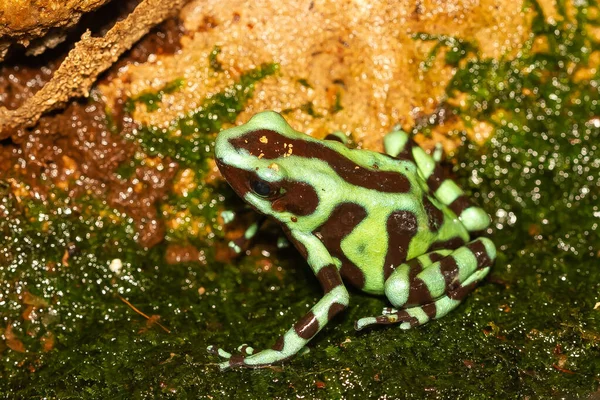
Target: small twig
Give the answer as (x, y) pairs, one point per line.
(143, 315)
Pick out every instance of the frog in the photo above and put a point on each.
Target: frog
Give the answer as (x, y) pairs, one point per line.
(390, 224)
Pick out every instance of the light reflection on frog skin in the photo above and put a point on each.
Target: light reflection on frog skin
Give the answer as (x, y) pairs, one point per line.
(389, 224)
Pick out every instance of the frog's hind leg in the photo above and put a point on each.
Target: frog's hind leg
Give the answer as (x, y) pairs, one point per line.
(419, 315)
(430, 286)
(399, 145)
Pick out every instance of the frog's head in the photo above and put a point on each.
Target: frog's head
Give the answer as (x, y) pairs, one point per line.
(265, 163)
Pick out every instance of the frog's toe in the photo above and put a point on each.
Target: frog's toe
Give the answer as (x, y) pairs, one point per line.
(235, 361)
(245, 349)
(395, 142)
(370, 321)
(388, 311)
(218, 352)
(364, 322)
(390, 316)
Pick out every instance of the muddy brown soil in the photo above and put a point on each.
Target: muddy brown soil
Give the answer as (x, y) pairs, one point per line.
(80, 148)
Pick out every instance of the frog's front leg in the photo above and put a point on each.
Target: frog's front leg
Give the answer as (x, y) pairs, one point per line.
(430, 286)
(334, 300)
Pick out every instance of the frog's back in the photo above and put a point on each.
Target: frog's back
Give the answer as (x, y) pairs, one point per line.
(386, 216)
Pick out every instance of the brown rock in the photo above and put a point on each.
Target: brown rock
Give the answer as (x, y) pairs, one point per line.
(38, 25)
(90, 57)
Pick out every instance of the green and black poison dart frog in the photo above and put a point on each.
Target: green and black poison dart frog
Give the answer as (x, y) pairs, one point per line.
(389, 224)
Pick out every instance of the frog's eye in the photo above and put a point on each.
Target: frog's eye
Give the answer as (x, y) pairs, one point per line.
(261, 188)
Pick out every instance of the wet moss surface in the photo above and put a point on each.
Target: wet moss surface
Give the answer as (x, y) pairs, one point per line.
(77, 324)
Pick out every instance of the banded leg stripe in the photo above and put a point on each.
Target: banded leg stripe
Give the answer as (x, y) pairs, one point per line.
(411, 317)
(453, 270)
(406, 288)
(333, 302)
(302, 331)
(431, 285)
(448, 192)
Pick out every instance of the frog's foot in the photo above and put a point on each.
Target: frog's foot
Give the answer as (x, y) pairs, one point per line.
(419, 315)
(244, 349)
(234, 360)
(248, 358)
(364, 322)
(399, 317)
(286, 346)
(242, 243)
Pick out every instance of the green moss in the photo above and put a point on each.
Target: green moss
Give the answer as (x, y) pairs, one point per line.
(213, 61)
(304, 83)
(190, 139)
(309, 108)
(152, 99)
(456, 49)
(105, 347)
(539, 176)
(529, 331)
(59, 255)
(337, 106)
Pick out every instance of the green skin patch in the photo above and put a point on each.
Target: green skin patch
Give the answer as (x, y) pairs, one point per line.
(389, 224)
